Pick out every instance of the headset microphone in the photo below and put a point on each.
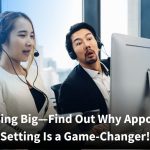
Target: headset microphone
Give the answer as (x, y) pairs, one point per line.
(101, 44)
(36, 53)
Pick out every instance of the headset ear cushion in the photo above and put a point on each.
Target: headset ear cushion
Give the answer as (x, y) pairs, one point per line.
(99, 44)
(2, 37)
(72, 55)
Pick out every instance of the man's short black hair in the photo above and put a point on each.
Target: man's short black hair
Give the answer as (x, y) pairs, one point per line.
(72, 30)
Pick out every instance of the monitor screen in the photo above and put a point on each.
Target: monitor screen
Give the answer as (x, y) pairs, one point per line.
(130, 61)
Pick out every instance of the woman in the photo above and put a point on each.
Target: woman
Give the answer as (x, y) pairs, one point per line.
(21, 90)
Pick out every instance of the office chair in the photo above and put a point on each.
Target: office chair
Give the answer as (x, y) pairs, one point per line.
(56, 89)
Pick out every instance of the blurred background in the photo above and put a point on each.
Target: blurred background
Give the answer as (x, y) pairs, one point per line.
(53, 18)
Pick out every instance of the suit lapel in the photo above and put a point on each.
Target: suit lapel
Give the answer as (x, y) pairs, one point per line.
(89, 81)
(96, 95)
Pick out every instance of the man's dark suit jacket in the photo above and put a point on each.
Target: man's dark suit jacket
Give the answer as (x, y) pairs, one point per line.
(79, 92)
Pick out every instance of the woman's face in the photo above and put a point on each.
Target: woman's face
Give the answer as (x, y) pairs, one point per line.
(21, 41)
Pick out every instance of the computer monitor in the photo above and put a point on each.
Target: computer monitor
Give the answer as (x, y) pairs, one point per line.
(130, 61)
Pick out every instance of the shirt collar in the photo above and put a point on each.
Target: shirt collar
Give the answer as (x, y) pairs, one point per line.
(94, 73)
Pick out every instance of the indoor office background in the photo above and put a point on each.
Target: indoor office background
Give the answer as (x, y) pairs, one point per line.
(53, 18)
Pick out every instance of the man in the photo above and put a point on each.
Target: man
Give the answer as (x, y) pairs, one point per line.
(88, 85)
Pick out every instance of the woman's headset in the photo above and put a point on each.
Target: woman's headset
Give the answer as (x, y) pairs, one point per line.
(3, 37)
(3, 34)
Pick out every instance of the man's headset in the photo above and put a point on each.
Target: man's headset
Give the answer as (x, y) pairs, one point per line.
(73, 55)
